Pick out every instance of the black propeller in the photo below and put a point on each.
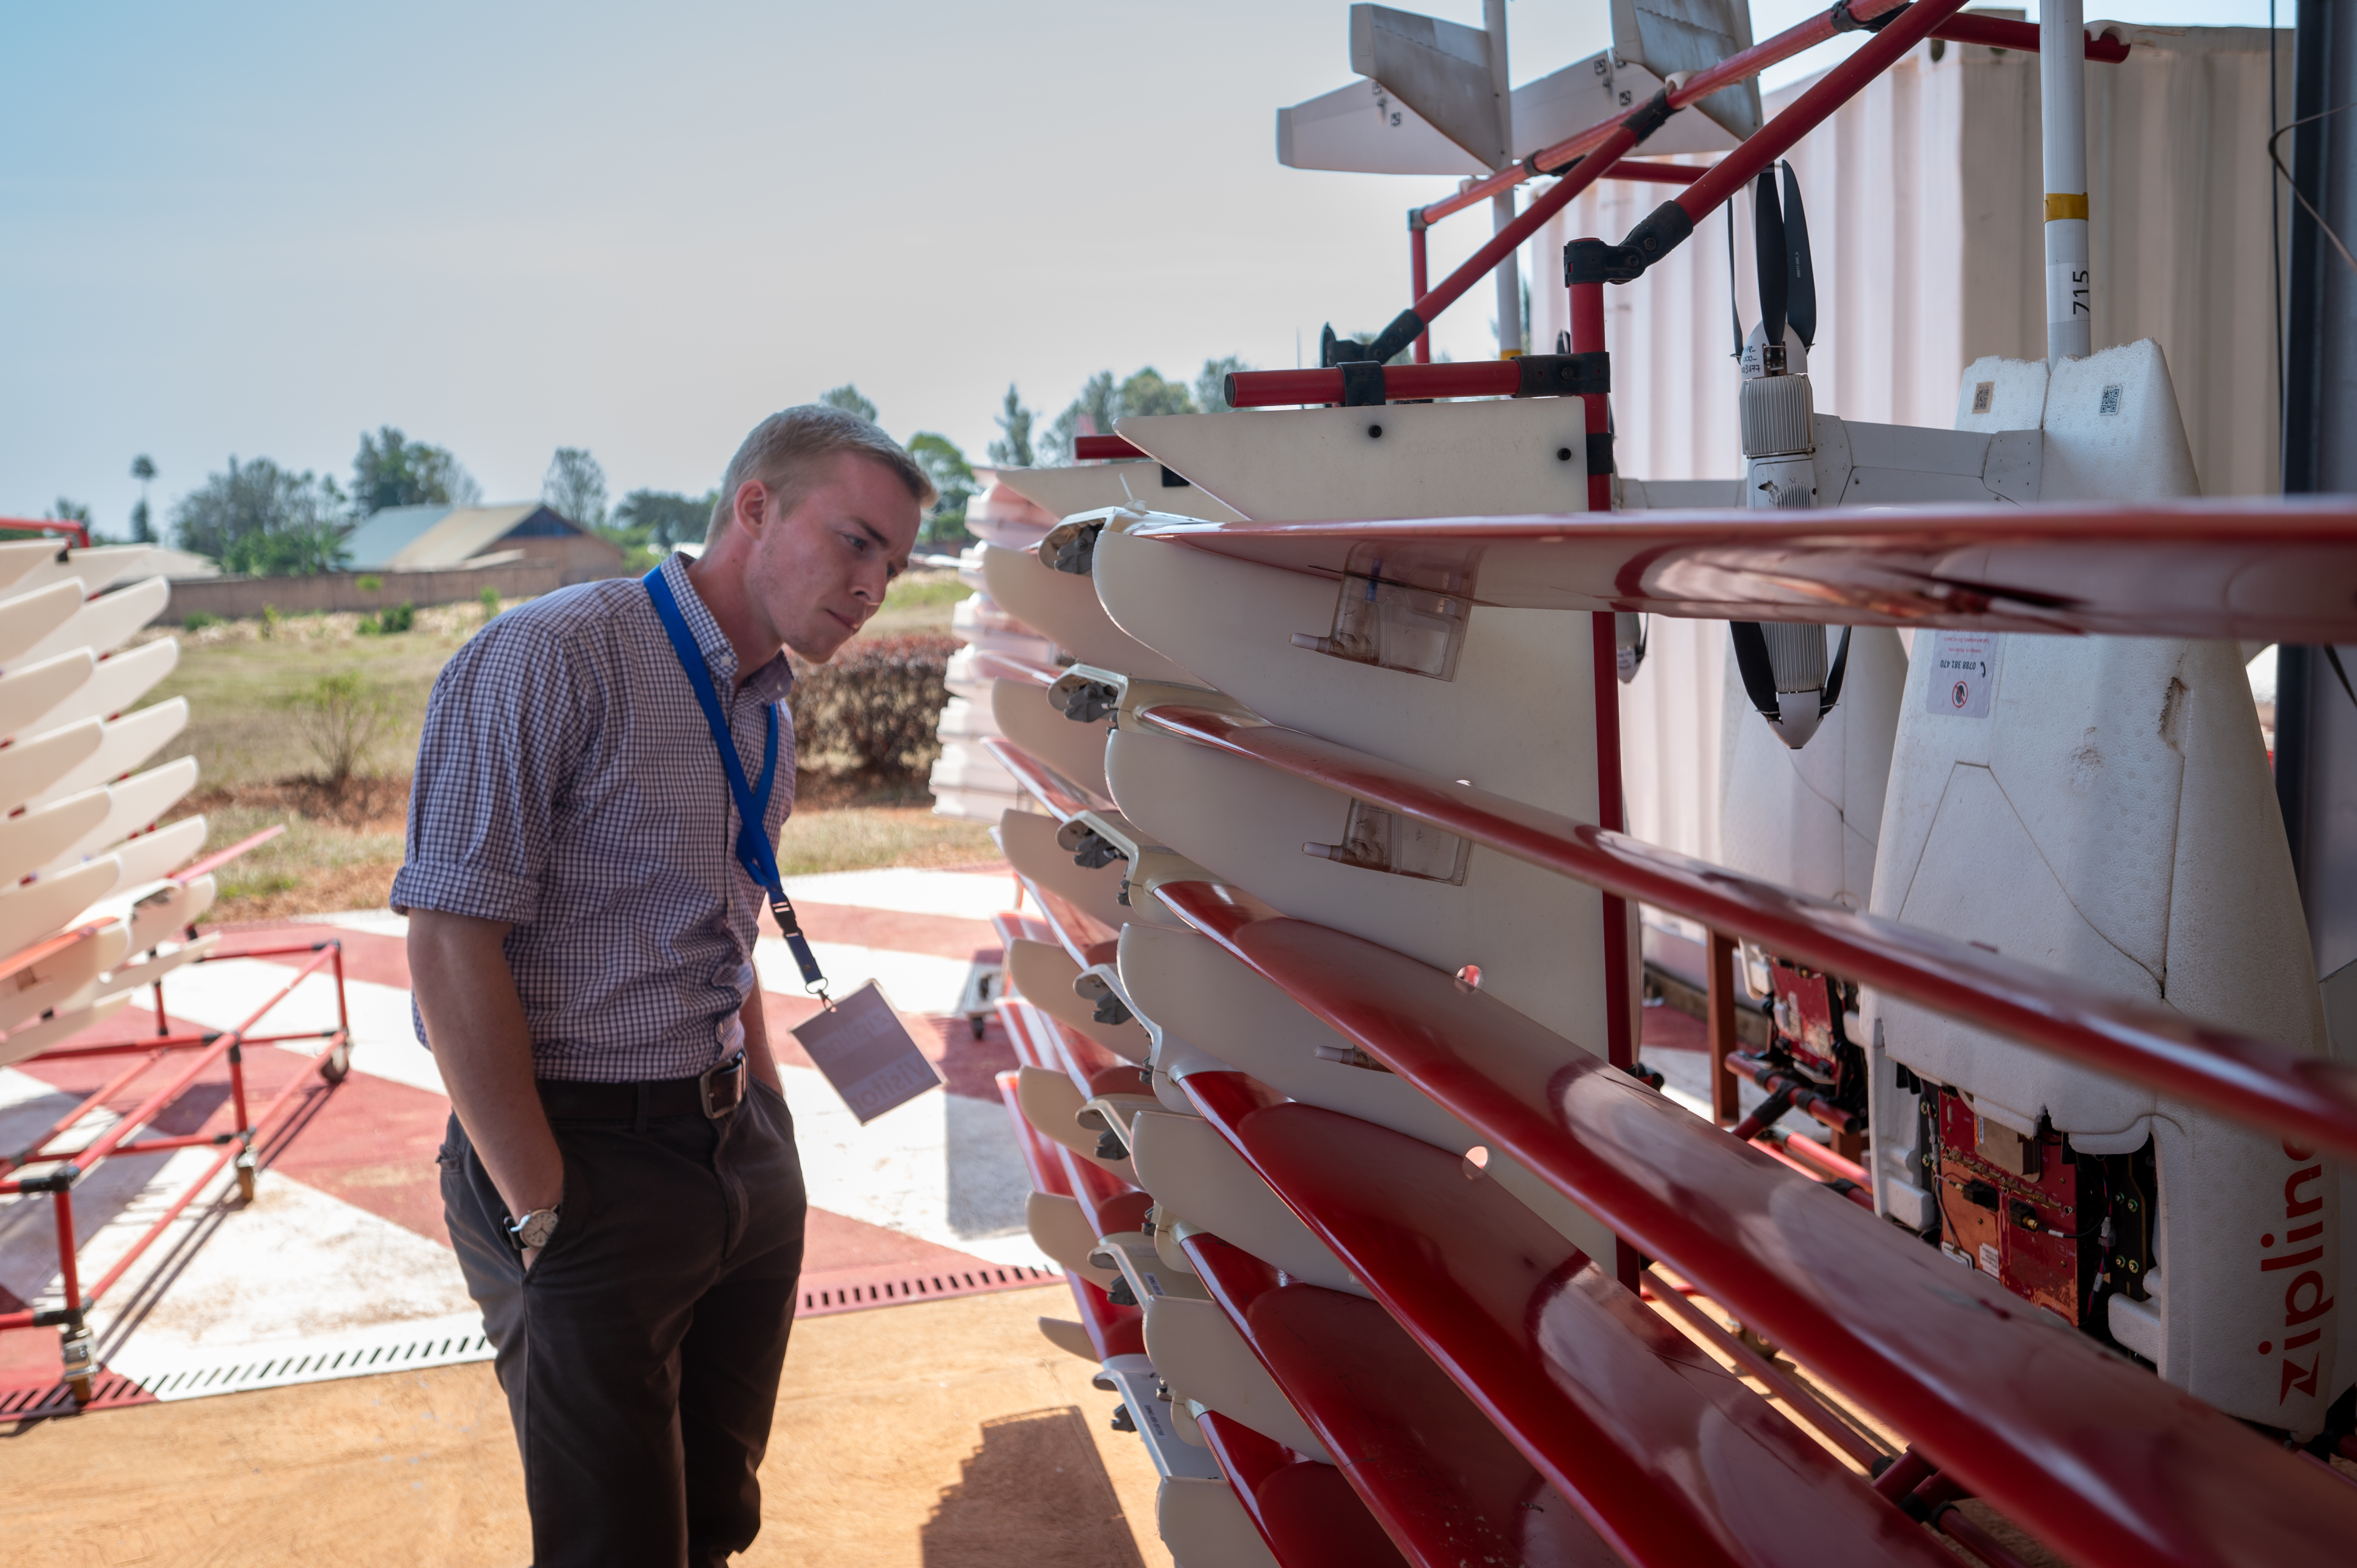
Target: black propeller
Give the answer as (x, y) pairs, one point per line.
(1788, 276)
(1803, 293)
(1770, 257)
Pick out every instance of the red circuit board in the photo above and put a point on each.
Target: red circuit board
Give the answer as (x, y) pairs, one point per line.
(2023, 1229)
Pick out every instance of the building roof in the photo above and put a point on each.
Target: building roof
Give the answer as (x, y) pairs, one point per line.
(177, 564)
(414, 538)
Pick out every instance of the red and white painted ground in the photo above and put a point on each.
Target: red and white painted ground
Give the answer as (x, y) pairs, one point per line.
(341, 1263)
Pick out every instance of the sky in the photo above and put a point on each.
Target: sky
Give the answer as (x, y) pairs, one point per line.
(257, 229)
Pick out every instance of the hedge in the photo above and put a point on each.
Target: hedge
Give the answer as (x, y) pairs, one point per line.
(874, 707)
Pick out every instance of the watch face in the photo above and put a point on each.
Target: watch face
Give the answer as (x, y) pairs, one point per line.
(536, 1228)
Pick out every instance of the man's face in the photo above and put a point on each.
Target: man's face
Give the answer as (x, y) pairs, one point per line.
(818, 571)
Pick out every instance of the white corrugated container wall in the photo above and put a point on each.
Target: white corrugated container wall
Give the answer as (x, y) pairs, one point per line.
(1925, 212)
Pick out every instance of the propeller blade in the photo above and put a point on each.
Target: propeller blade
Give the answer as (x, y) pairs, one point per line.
(1734, 309)
(1804, 293)
(1770, 256)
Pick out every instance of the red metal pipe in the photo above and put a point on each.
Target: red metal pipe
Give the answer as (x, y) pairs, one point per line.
(1619, 973)
(1833, 90)
(213, 863)
(1588, 338)
(1999, 32)
(1958, 1526)
(1814, 1152)
(1657, 174)
(1774, 1147)
(1416, 263)
(187, 1140)
(1608, 150)
(1808, 1406)
(68, 1268)
(1045, 785)
(81, 532)
(1903, 1474)
(177, 1043)
(2253, 1080)
(112, 1087)
(1102, 448)
(1475, 378)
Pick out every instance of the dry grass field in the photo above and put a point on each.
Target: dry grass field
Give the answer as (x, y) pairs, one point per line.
(255, 726)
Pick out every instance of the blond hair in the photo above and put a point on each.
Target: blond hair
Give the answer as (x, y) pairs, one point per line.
(788, 451)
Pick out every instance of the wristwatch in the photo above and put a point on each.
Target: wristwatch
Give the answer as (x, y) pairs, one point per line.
(534, 1229)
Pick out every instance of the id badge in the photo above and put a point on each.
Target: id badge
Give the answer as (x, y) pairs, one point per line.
(866, 1053)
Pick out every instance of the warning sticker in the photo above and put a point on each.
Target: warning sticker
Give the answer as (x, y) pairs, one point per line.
(1964, 668)
(1989, 1264)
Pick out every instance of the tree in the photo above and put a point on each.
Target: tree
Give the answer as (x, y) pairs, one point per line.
(1212, 383)
(392, 470)
(663, 518)
(952, 475)
(70, 511)
(575, 488)
(143, 531)
(264, 521)
(848, 398)
(1014, 449)
(1102, 400)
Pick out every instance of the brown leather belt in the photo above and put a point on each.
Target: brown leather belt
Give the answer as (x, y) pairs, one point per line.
(712, 1094)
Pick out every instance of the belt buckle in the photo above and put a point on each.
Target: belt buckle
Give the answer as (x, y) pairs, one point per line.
(723, 1087)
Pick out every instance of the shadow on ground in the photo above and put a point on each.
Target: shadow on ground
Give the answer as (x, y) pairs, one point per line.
(1035, 1481)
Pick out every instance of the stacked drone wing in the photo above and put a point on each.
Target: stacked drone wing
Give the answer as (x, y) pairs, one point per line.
(89, 908)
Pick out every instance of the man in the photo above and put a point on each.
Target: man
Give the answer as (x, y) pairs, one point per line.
(627, 1209)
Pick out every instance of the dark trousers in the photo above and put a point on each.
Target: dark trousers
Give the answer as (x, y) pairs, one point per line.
(640, 1355)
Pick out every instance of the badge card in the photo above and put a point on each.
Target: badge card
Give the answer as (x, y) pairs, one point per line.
(866, 1052)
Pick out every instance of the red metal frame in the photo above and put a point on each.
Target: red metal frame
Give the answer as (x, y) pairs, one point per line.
(237, 1143)
(1668, 1460)
(1304, 1510)
(2099, 1458)
(2241, 569)
(2251, 1079)
(1446, 1486)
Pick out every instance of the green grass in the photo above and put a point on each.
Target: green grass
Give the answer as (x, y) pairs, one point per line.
(239, 684)
(853, 838)
(918, 601)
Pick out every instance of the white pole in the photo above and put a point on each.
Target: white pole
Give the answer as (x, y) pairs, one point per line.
(2062, 110)
(1502, 205)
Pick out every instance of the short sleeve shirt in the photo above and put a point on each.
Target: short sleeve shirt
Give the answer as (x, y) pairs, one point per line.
(567, 784)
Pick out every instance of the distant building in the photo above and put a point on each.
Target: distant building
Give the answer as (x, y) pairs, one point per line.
(427, 538)
(179, 565)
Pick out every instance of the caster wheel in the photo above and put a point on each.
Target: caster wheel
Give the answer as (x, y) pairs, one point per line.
(338, 1063)
(81, 1390)
(245, 1183)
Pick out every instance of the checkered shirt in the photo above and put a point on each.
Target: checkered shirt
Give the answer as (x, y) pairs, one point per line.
(567, 784)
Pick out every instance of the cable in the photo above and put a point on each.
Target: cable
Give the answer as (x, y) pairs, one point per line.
(2275, 241)
(2300, 196)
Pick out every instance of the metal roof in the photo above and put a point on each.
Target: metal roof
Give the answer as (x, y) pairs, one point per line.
(416, 537)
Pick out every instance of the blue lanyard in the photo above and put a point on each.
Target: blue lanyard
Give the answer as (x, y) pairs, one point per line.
(754, 852)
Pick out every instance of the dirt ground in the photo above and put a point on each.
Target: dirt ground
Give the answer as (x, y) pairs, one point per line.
(945, 1434)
